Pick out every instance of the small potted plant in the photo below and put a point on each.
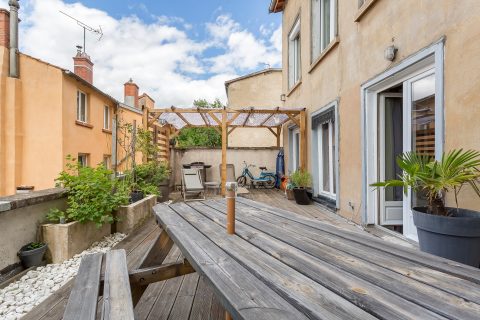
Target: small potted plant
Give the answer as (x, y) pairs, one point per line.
(32, 254)
(301, 179)
(289, 191)
(452, 233)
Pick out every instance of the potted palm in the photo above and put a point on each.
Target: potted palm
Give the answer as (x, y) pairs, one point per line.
(452, 233)
(301, 180)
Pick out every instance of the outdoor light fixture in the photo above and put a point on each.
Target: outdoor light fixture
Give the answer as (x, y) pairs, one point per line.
(283, 97)
(390, 53)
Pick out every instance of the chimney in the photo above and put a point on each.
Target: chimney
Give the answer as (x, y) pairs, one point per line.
(83, 66)
(14, 7)
(4, 28)
(131, 93)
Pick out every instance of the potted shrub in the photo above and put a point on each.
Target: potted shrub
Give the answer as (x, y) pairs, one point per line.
(289, 191)
(452, 233)
(301, 179)
(32, 254)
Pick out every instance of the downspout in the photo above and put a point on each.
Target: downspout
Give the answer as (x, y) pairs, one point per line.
(14, 7)
(114, 140)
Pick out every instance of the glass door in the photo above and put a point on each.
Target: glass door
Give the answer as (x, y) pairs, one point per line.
(420, 137)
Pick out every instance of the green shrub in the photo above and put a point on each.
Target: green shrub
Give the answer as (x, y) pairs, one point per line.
(92, 194)
(147, 177)
(301, 179)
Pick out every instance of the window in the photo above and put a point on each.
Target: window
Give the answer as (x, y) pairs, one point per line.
(294, 149)
(324, 16)
(106, 117)
(81, 106)
(107, 161)
(294, 55)
(324, 128)
(83, 159)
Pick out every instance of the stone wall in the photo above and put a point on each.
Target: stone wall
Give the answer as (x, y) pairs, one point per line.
(20, 218)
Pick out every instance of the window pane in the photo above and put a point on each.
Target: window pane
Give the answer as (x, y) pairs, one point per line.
(78, 105)
(423, 123)
(393, 145)
(325, 23)
(316, 46)
(297, 150)
(297, 59)
(334, 166)
(83, 107)
(325, 158)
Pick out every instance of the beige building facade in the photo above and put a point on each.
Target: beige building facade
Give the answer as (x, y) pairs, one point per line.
(379, 77)
(47, 113)
(258, 89)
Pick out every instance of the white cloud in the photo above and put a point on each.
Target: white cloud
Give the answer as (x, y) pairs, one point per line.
(160, 56)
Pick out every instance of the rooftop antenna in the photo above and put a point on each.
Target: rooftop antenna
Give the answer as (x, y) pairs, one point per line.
(86, 28)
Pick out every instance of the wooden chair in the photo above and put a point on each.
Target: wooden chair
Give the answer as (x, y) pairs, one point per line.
(192, 185)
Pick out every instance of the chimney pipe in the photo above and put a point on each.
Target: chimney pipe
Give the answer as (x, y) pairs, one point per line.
(14, 7)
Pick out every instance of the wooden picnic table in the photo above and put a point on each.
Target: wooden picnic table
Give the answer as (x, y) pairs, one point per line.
(280, 265)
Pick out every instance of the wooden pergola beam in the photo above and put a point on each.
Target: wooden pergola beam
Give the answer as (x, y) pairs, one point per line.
(208, 110)
(224, 151)
(235, 116)
(291, 117)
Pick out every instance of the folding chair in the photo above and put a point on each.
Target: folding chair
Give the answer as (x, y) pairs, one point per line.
(192, 185)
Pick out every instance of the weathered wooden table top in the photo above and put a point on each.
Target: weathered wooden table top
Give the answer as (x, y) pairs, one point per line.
(280, 265)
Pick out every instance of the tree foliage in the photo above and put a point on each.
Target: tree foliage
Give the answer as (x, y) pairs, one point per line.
(201, 137)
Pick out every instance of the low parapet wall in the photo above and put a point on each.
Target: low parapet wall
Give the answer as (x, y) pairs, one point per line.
(20, 218)
(260, 157)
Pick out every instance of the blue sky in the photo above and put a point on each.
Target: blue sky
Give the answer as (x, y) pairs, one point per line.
(176, 51)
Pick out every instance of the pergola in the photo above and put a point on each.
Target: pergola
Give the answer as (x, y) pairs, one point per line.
(226, 120)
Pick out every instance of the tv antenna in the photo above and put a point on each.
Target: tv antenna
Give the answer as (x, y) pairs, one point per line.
(86, 28)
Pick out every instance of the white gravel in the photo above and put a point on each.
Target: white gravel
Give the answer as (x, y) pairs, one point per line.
(37, 285)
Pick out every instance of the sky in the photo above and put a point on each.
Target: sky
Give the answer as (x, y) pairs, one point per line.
(176, 51)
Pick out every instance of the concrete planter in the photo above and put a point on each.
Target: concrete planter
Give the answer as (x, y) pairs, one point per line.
(66, 240)
(134, 215)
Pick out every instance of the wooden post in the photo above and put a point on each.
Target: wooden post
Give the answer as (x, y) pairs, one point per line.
(228, 316)
(224, 150)
(114, 144)
(279, 132)
(231, 194)
(145, 127)
(303, 141)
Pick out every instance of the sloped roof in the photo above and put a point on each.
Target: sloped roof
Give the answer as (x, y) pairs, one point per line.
(277, 6)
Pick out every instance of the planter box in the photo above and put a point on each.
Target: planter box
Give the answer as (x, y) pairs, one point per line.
(66, 240)
(133, 215)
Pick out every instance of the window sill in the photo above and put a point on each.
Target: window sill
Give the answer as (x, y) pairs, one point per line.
(83, 124)
(363, 9)
(107, 131)
(296, 85)
(325, 52)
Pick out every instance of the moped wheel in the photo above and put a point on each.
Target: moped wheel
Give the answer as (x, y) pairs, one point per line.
(270, 183)
(242, 181)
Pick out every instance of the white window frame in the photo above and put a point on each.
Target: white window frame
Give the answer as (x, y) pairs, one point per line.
(107, 161)
(331, 157)
(83, 163)
(294, 55)
(79, 115)
(106, 118)
(324, 43)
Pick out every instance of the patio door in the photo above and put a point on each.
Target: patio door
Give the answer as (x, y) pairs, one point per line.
(295, 149)
(390, 147)
(419, 116)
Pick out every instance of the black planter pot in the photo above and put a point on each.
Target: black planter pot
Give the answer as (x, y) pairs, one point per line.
(301, 196)
(136, 196)
(31, 258)
(456, 237)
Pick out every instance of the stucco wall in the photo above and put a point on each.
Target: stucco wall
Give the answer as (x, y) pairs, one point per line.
(260, 90)
(20, 226)
(358, 57)
(257, 156)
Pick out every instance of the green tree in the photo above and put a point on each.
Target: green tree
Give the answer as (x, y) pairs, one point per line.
(201, 137)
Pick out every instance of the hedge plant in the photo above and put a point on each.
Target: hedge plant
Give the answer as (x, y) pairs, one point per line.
(92, 194)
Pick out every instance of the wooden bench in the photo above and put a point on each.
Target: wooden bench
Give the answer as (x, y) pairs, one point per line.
(279, 265)
(117, 297)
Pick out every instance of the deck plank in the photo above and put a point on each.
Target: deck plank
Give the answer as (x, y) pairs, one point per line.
(239, 291)
(413, 256)
(202, 302)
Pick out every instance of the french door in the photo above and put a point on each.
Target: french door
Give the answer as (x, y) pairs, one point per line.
(419, 117)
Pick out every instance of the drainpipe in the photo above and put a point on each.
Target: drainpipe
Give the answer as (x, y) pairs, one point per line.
(14, 7)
